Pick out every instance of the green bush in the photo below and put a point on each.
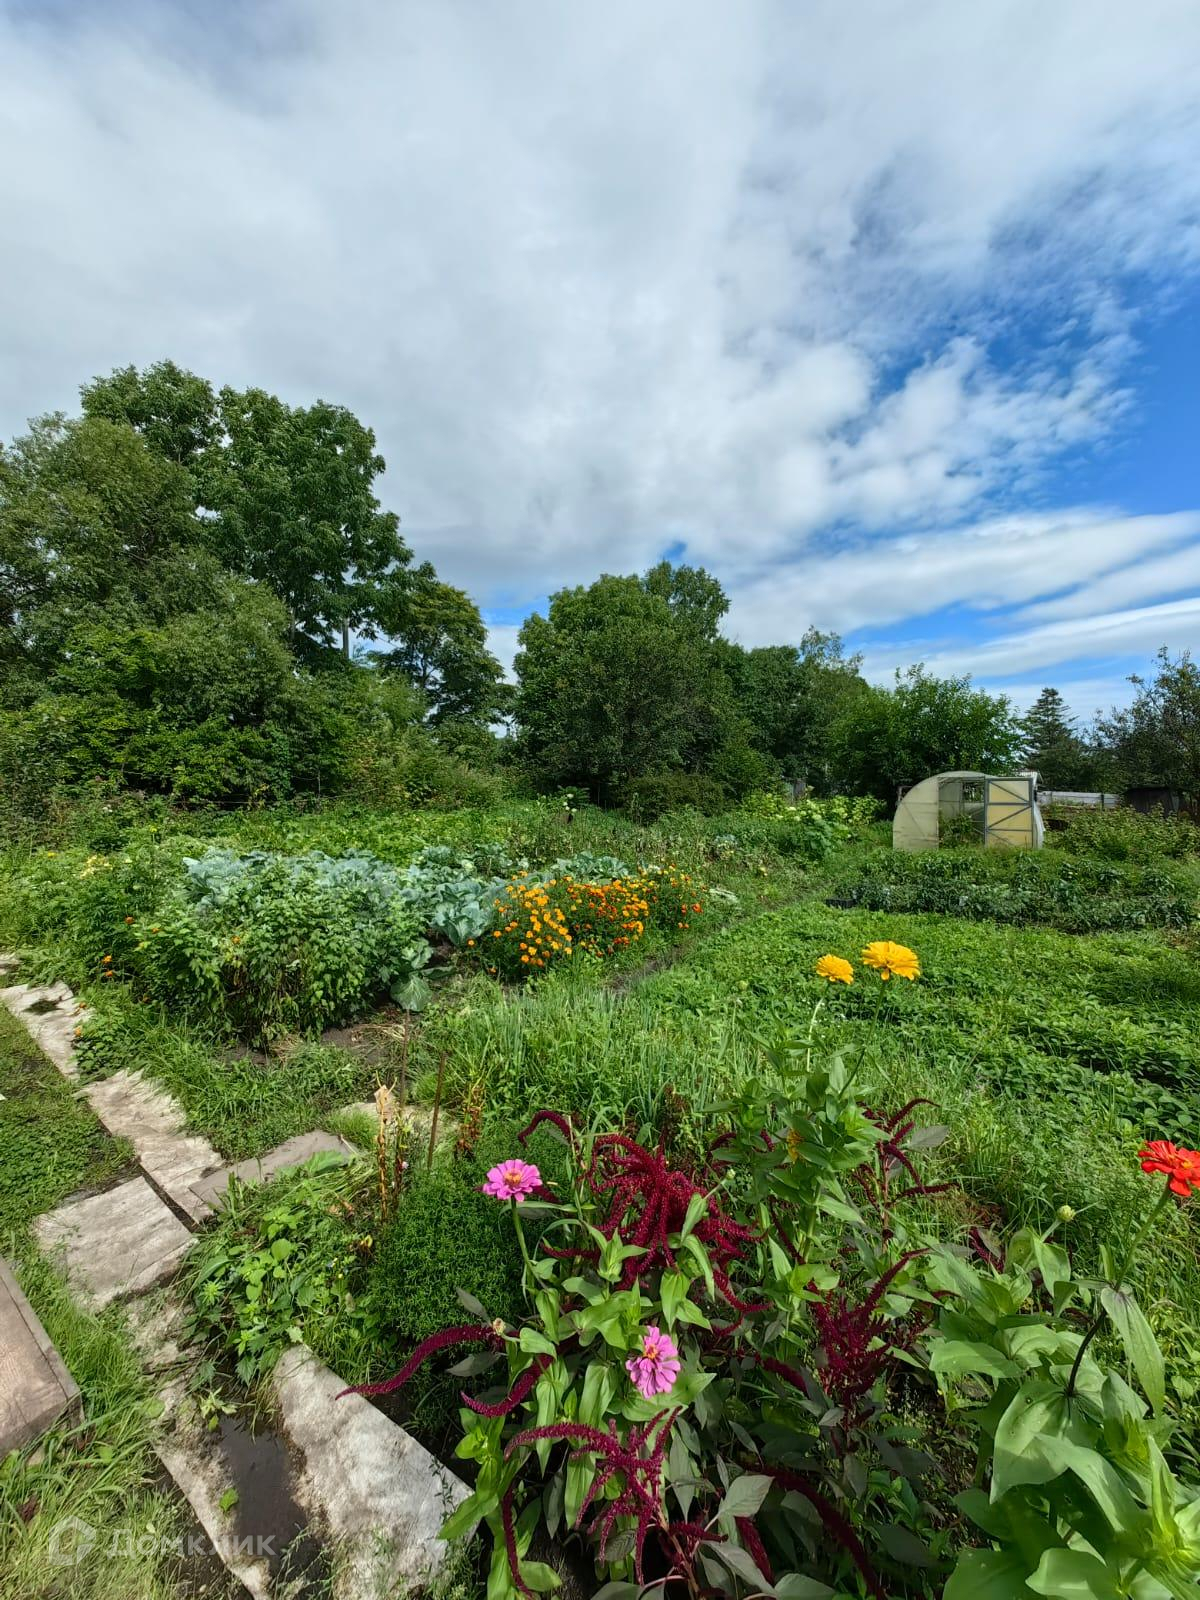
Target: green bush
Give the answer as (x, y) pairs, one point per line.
(652, 797)
(273, 945)
(446, 1236)
(1127, 835)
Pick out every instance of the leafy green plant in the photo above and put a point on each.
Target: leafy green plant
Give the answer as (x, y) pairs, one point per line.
(1077, 894)
(285, 945)
(1072, 1486)
(1122, 834)
(697, 1373)
(283, 1265)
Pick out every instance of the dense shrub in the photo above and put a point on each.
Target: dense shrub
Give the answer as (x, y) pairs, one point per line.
(652, 797)
(445, 1236)
(271, 944)
(1123, 834)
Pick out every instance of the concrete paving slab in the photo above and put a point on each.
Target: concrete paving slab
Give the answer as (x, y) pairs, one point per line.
(35, 1387)
(380, 1494)
(210, 1190)
(202, 1478)
(116, 1243)
(50, 1015)
(130, 1105)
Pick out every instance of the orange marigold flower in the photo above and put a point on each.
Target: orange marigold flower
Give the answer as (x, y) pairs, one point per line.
(892, 960)
(1180, 1166)
(835, 969)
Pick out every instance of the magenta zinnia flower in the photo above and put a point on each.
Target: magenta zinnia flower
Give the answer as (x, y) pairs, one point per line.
(654, 1371)
(512, 1180)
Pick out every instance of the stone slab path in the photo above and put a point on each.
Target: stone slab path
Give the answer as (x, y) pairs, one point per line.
(381, 1495)
(209, 1191)
(114, 1244)
(133, 1107)
(377, 1493)
(35, 1387)
(51, 1016)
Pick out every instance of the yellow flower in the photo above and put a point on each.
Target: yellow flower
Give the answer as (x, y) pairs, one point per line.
(892, 960)
(835, 969)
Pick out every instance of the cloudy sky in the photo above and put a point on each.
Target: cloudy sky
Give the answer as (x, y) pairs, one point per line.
(889, 314)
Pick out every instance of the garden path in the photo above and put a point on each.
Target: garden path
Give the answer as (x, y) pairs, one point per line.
(377, 1494)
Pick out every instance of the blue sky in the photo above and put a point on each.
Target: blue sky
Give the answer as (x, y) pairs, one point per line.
(888, 315)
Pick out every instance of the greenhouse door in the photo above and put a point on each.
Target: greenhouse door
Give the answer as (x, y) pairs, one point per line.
(1008, 812)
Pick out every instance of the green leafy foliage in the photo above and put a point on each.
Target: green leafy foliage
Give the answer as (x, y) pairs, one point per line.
(282, 1266)
(283, 944)
(706, 1369)
(885, 737)
(1072, 1487)
(446, 1236)
(1122, 834)
(1078, 894)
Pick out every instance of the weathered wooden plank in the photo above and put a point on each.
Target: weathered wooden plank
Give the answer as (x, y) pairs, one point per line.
(35, 1387)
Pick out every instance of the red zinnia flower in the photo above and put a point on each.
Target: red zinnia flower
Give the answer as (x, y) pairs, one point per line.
(1181, 1167)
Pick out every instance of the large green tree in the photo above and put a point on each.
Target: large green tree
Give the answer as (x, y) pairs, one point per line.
(622, 679)
(438, 641)
(792, 697)
(1053, 747)
(92, 522)
(289, 491)
(1156, 739)
(175, 565)
(923, 724)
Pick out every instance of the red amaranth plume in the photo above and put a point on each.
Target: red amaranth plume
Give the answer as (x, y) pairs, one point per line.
(857, 1342)
(647, 1200)
(556, 1119)
(754, 1547)
(889, 1155)
(986, 1255)
(833, 1521)
(510, 1544)
(468, 1333)
(637, 1460)
(522, 1385)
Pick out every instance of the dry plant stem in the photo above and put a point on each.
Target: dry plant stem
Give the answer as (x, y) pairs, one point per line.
(437, 1106)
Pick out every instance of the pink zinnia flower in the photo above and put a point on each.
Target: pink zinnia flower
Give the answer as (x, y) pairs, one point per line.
(512, 1180)
(655, 1370)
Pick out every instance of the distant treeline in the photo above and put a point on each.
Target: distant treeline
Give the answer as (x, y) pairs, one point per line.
(183, 571)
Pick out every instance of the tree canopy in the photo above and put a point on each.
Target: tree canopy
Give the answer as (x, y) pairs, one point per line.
(180, 573)
(886, 737)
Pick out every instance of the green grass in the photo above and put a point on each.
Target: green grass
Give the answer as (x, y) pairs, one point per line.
(245, 1103)
(51, 1143)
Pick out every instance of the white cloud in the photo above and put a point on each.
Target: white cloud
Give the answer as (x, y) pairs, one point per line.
(989, 565)
(1136, 632)
(502, 642)
(608, 278)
